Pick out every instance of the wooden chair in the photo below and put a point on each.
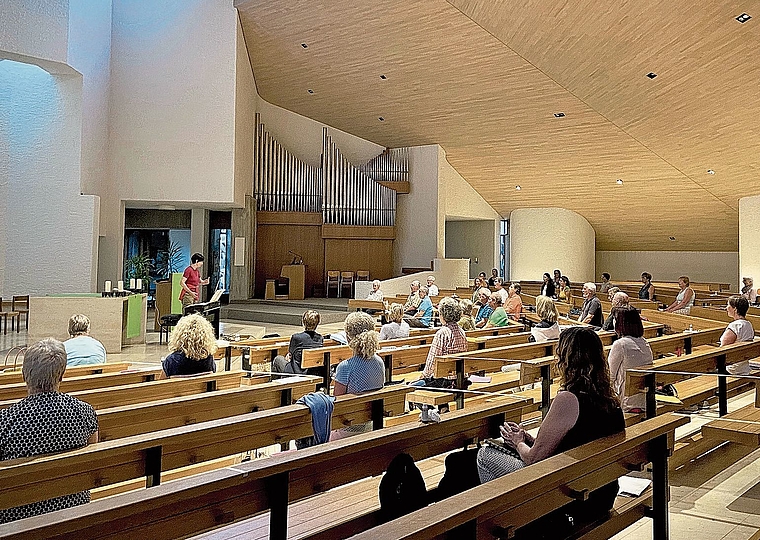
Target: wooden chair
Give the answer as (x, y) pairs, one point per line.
(332, 281)
(21, 305)
(346, 280)
(5, 315)
(362, 275)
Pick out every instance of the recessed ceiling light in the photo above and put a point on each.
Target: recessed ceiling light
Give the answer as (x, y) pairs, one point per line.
(304, 45)
(559, 115)
(743, 18)
(651, 75)
(710, 171)
(518, 187)
(672, 238)
(310, 91)
(383, 77)
(619, 181)
(382, 119)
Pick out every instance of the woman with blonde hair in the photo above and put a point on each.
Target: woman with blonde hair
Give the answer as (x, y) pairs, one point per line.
(364, 371)
(192, 347)
(465, 321)
(684, 300)
(548, 328)
(397, 327)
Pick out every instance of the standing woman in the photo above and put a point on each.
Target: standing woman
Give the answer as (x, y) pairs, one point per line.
(630, 351)
(684, 300)
(564, 294)
(547, 287)
(646, 292)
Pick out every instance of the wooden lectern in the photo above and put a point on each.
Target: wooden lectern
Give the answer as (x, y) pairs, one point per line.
(296, 273)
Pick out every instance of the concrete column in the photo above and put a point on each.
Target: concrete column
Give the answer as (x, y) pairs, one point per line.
(749, 239)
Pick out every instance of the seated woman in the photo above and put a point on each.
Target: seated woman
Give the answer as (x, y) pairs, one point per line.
(45, 422)
(81, 349)
(748, 291)
(684, 300)
(449, 339)
(499, 316)
(513, 305)
(564, 294)
(547, 287)
(740, 329)
(364, 371)
(646, 292)
(375, 294)
(629, 351)
(484, 308)
(619, 299)
(466, 321)
(192, 347)
(548, 328)
(476, 290)
(397, 327)
(586, 408)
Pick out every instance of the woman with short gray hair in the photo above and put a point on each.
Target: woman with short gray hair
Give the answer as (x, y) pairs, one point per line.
(81, 348)
(45, 422)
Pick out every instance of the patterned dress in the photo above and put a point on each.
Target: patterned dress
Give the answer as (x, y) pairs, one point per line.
(45, 423)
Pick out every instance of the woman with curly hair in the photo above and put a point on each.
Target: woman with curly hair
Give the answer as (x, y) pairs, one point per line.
(192, 347)
(586, 408)
(364, 371)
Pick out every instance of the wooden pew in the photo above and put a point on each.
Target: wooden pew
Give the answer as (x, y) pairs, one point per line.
(741, 426)
(11, 377)
(195, 504)
(115, 396)
(715, 314)
(499, 508)
(257, 351)
(358, 305)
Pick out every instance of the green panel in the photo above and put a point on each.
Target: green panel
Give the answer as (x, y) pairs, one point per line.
(134, 315)
(176, 288)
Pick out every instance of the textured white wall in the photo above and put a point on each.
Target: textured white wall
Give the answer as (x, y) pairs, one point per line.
(35, 29)
(669, 265)
(50, 229)
(542, 239)
(471, 240)
(749, 239)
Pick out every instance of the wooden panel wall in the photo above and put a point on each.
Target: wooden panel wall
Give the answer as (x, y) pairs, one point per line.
(360, 254)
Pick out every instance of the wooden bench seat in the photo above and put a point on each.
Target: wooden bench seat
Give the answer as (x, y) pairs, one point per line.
(501, 507)
(11, 377)
(193, 505)
(741, 426)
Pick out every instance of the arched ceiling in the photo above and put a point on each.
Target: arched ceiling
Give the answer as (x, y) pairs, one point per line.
(484, 79)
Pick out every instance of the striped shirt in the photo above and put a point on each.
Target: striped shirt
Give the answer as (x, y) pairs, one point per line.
(450, 339)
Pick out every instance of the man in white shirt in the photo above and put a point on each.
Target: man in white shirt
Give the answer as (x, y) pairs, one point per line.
(432, 287)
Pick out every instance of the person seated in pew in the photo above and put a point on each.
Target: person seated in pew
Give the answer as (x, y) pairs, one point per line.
(646, 292)
(619, 299)
(684, 300)
(414, 300)
(493, 278)
(449, 339)
(557, 278)
(363, 372)
(423, 317)
(591, 312)
(605, 285)
(548, 328)
(500, 290)
(81, 348)
(564, 293)
(308, 339)
(586, 408)
(498, 317)
(397, 327)
(192, 345)
(476, 291)
(611, 292)
(432, 287)
(465, 321)
(740, 329)
(485, 309)
(547, 287)
(630, 351)
(513, 305)
(376, 294)
(45, 422)
(748, 291)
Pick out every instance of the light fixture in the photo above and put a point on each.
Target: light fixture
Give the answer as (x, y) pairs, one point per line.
(559, 115)
(619, 181)
(381, 118)
(304, 45)
(310, 91)
(743, 18)
(383, 77)
(710, 171)
(518, 187)
(651, 75)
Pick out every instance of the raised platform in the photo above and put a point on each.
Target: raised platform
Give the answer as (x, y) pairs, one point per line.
(331, 310)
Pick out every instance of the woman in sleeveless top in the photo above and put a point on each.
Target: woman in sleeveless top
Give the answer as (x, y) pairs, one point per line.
(646, 292)
(564, 294)
(740, 329)
(586, 408)
(684, 300)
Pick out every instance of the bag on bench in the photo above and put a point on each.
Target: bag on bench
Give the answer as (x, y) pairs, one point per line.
(461, 473)
(402, 489)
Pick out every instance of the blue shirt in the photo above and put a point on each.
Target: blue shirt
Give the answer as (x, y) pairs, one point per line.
(361, 375)
(426, 306)
(484, 313)
(84, 351)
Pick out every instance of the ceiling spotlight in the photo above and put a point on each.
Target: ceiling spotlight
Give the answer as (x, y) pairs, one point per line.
(559, 115)
(619, 182)
(310, 91)
(651, 75)
(518, 187)
(672, 238)
(382, 119)
(743, 18)
(383, 77)
(710, 171)
(304, 45)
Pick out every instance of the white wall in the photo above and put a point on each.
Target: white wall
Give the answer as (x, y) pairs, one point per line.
(749, 240)
(35, 29)
(449, 274)
(471, 240)
(542, 239)
(669, 265)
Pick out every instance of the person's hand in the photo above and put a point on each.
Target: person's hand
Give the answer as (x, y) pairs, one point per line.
(205, 281)
(512, 434)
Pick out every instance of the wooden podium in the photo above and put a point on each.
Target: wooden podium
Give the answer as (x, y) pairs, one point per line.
(296, 273)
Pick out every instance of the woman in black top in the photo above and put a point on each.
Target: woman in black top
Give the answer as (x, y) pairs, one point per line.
(547, 288)
(646, 292)
(192, 347)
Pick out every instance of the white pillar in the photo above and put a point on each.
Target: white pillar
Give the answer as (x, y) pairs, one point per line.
(749, 239)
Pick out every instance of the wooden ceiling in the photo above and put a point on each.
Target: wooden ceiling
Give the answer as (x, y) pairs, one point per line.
(483, 78)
